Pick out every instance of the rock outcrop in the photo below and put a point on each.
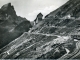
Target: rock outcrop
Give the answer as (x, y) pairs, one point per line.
(10, 24)
(38, 18)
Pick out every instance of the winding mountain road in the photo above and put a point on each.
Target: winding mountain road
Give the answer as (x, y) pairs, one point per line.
(74, 54)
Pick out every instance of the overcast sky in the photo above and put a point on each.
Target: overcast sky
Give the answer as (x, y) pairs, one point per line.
(30, 8)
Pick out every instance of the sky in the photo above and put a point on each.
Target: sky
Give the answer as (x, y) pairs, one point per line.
(30, 8)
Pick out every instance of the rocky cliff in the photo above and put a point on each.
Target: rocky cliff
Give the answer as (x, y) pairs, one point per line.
(10, 24)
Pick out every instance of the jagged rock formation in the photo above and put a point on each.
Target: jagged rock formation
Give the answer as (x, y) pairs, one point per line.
(6, 11)
(10, 24)
(51, 38)
(38, 18)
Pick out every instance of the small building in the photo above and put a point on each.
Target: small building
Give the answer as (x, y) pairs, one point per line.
(38, 18)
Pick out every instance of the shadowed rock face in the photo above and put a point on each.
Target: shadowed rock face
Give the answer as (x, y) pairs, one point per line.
(8, 10)
(11, 25)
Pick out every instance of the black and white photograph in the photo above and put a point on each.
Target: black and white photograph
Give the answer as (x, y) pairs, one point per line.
(40, 29)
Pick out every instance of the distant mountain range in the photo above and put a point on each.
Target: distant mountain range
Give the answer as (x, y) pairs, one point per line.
(54, 37)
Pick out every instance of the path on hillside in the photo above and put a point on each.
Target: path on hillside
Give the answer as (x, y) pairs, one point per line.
(75, 53)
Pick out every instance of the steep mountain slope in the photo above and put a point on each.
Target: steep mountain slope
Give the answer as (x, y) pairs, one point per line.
(62, 21)
(31, 45)
(71, 7)
(51, 38)
(10, 24)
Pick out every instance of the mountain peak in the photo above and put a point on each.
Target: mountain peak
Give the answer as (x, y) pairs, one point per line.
(8, 9)
(6, 6)
(40, 14)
